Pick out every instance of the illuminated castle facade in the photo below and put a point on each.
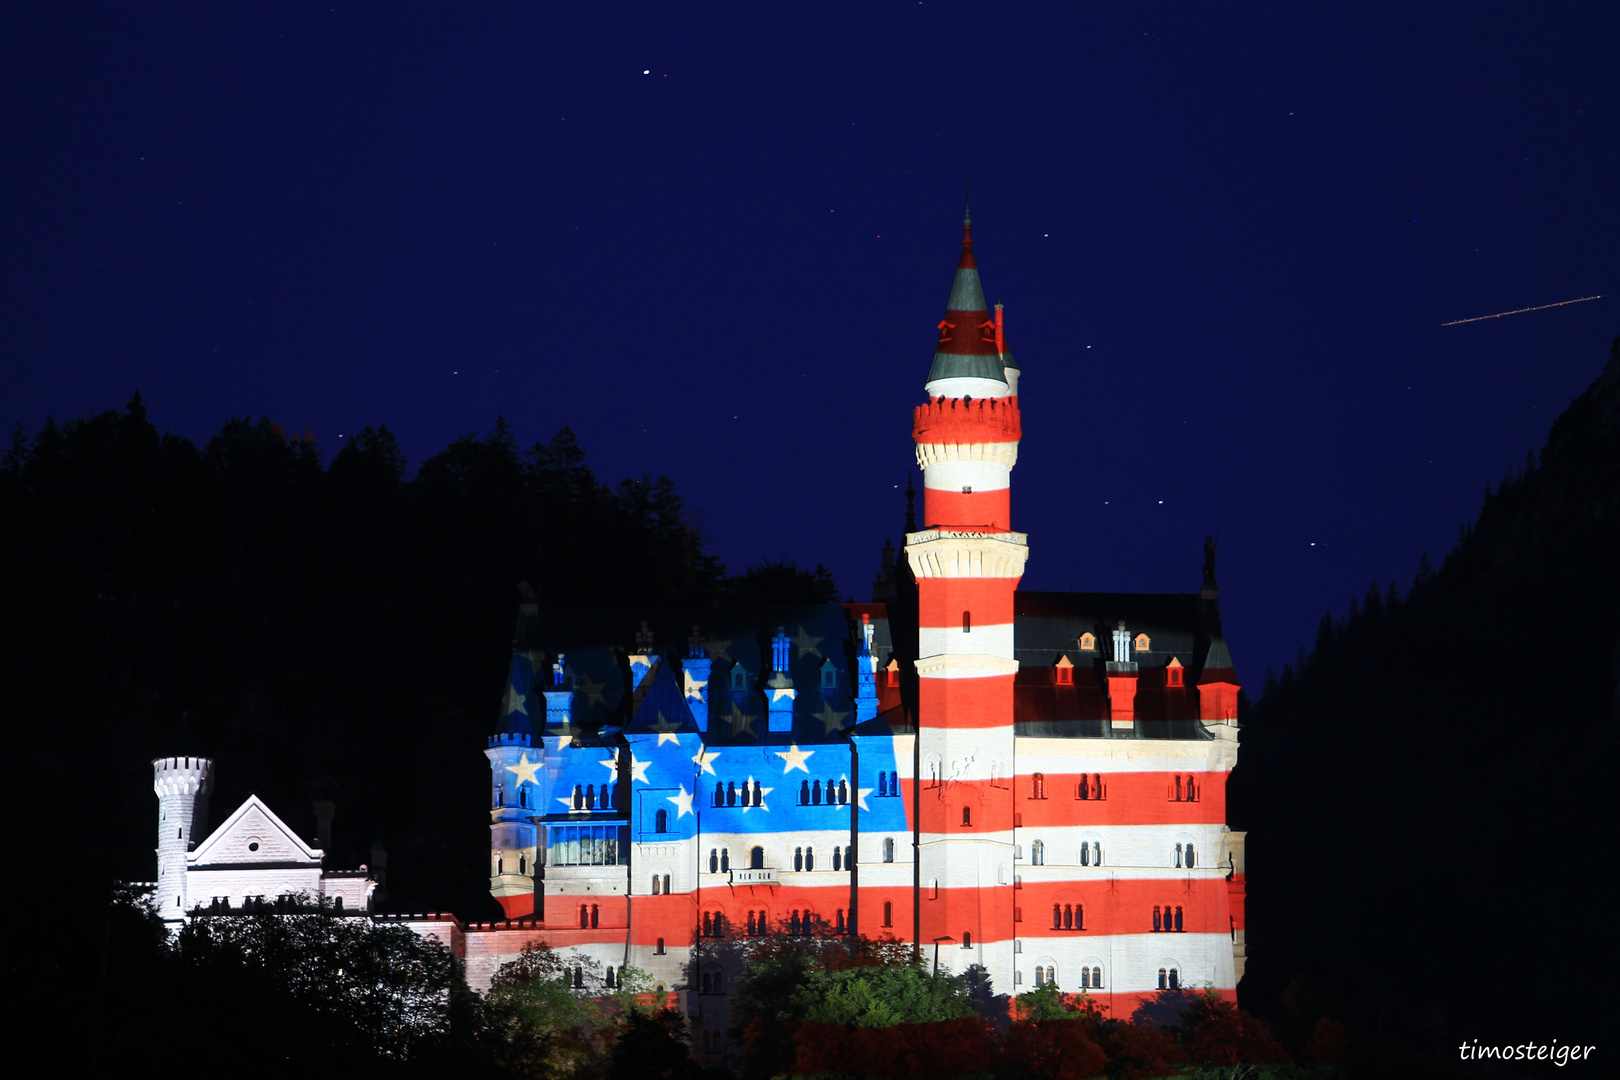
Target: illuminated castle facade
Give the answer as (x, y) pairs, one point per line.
(1032, 782)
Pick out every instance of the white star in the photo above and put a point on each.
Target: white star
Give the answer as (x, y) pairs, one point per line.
(638, 770)
(706, 758)
(683, 803)
(860, 797)
(764, 791)
(668, 736)
(611, 765)
(515, 702)
(795, 759)
(525, 770)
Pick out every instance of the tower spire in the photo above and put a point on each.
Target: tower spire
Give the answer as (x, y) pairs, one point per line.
(967, 359)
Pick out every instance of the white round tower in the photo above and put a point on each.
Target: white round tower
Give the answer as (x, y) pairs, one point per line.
(182, 785)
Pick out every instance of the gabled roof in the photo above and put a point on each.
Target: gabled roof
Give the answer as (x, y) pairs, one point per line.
(253, 823)
(660, 705)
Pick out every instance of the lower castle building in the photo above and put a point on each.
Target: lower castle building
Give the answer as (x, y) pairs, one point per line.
(1033, 783)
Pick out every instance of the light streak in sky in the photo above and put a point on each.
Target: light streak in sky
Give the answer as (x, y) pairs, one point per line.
(1520, 311)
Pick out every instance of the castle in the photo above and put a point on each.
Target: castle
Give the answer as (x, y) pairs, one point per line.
(1029, 782)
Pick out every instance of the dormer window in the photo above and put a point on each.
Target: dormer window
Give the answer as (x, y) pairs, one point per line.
(1173, 672)
(1142, 643)
(829, 676)
(739, 677)
(1065, 672)
(1088, 642)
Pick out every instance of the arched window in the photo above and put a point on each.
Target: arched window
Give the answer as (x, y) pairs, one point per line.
(1068, 917)
(500, 797)
(1192, 791)
(595, 912)
(967, 816)
(1079, 917)
(590, 796)
(1037, 786)
(888, 913)
(843, 793)
(1163, 984)
(838, 921)
(608, 980)
(1158, 917)
(815, 793)
(798, 858)
(793, 923)
(500, 867)
(809, 858)
(838, 861)
(1085, 978)
(1057, 916)
(657, 885)
(714, 860)
(1082, 790)
(967, 940)
(523, 864)
(659, 948)
(1037, 853)
(849, 858)
(883, 784)
(1040, 976)
(584, 917)
(707, 982)
(1178, 789)
(661, 821)
(1178, 920)
(759, 794)
(731, 794)
(1191, 862)
(579, 977)
(579, 797)
(1178, 856)
(1175, 979)
(967, 622)
(750, 924)
(523, 799)
(756, 858)
(804, 793)
(888, 851)
(719, 793)
(725, 860)
(1085, 853)
(666, 884)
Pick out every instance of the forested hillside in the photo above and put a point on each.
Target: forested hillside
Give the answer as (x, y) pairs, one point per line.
(324, 632)
(1430, 790)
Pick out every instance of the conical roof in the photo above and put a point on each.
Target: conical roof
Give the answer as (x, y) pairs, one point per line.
(966, 348)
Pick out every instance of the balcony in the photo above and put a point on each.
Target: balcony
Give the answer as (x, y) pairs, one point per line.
(757, 876)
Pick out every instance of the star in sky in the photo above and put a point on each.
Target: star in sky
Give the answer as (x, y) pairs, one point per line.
(525, 770)
(831, 719)
(795, 759)
(516, 702)
(706, 759)
(806, 642)
(683, 803)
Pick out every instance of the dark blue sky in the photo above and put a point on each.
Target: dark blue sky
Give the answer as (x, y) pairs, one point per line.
(715, 240)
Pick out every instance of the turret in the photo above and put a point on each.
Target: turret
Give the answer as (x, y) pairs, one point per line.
(183, 785)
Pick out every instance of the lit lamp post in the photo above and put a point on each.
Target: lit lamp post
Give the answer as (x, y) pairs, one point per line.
(936, 951)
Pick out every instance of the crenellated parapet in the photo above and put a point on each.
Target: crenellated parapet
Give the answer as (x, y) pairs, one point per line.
(966, 420)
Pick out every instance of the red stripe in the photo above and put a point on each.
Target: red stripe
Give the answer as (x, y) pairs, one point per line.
(979, 509)
(985, 702)
(941, 601)
(983, 420)
(1122, 905)
(1133, 798)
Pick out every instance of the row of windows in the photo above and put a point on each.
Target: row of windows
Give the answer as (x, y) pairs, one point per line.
(1167, 919)
(585, 845)
(804, 859)
(726, 794)
(888, 784)
(1090, 853)
(1091, 977)
(1087, 787)
(585, 797)
(797, 922)
(810, 793)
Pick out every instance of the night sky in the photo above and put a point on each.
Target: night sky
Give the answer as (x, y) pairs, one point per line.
(715, 242)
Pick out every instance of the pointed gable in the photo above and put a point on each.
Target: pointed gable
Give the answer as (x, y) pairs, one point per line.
(253, 834)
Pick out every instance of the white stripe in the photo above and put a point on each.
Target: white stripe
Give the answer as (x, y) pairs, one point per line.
(995, 639)
(967, 387)
(956, 475)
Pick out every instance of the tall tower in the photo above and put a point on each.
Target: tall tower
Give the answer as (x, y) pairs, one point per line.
(182, 785)
(967, 564)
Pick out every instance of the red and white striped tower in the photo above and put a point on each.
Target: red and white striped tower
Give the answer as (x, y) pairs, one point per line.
(967, 564)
